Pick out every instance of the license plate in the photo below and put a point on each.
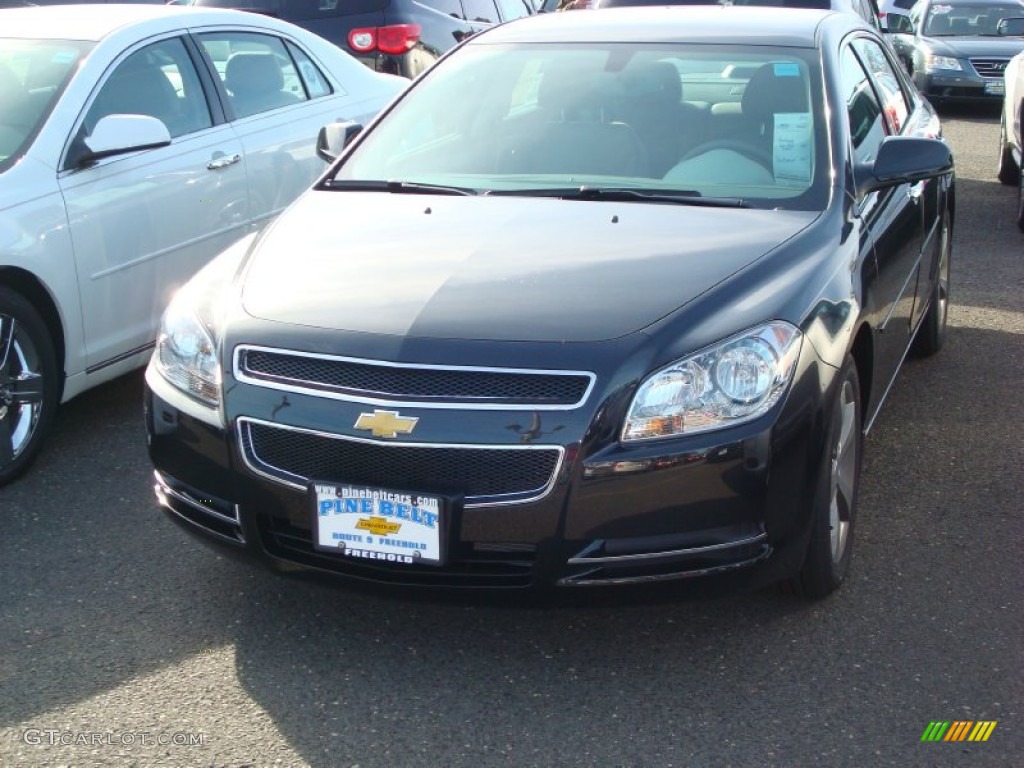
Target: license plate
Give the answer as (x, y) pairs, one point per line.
(378, 524)
(995, 89)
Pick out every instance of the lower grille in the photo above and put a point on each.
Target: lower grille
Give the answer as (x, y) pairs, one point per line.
(468, 566)
(481, 474)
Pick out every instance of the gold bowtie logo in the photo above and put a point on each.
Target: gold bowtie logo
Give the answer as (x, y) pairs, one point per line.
(386, 423)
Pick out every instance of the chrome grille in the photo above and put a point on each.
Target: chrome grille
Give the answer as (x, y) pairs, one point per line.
(382, 382)
(990, 67)
(481, 474)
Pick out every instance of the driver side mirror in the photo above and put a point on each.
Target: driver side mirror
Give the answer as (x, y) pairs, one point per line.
(1011, 27)
(333, 139)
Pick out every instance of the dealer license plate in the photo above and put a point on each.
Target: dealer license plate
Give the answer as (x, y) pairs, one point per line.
(377, 524)
(997, 88)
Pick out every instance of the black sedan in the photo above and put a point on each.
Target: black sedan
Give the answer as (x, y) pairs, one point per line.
(604, 298)
(957, 51)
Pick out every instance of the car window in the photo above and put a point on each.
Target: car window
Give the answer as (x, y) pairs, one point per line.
(896, 106)
(257, 71)
(867, 128)
(729, 121)
(33, 74)
(160, 81)
(316, 83)
(513, 9)
(481, 11)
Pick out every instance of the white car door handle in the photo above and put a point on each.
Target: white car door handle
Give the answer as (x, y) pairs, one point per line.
(223, 161)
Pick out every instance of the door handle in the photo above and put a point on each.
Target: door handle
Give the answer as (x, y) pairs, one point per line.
(915, 192)
(223, 161)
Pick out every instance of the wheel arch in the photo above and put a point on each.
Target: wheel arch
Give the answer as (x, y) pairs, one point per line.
(863, 353)
(36, 293)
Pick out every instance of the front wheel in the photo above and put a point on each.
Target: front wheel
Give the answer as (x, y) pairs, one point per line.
(28, 384)
(932, 333)
(1008, 170)
(831, 542)
(1020, 198)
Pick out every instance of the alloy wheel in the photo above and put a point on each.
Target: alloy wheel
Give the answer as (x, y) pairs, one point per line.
(843, 472)
(21, 389)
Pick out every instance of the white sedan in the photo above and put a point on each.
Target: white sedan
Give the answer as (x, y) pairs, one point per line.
(136, 143)
(1011, 131)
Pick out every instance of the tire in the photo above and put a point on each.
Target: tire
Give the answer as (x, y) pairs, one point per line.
(1008, 170)
(1020, 198)
(831, 542)
(932, 333)
(28, 384)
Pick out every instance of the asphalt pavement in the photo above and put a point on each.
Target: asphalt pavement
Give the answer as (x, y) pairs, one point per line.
(125, 643)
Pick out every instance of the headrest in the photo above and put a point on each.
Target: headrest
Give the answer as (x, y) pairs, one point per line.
(253, 72)
(775, 88)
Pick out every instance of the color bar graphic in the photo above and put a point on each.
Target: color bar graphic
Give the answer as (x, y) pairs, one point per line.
(958, 730)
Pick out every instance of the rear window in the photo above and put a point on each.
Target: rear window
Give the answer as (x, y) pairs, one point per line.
(299, 9)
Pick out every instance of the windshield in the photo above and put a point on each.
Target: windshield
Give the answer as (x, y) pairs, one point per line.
(708, 121)
(951, 20)
(33, 74)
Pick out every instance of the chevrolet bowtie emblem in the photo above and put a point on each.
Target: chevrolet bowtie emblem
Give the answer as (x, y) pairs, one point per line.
(386, 423)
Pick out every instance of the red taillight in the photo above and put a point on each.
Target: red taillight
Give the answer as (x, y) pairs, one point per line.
(396, 38)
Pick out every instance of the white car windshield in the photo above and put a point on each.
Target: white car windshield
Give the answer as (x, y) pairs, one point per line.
(33, 74)
(709, 121)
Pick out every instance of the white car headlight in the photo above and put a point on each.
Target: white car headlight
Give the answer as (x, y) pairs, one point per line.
(933, 62)
(731, 382)
(186, 352)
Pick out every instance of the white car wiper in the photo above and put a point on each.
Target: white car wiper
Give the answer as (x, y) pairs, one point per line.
(627, 194)
(395, 187)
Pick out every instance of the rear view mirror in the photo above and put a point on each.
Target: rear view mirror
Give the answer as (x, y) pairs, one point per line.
(333, 139)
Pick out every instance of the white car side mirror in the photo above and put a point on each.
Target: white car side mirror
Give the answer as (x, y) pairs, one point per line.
(118, 134)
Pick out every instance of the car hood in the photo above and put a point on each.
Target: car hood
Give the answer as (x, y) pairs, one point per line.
(965, 47)
(502, 268)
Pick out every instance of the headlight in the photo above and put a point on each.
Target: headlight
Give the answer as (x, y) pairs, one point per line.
(731, 382)
(933, 62)
(186, 352)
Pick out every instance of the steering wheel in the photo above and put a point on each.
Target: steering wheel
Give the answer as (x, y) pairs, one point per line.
(749, 151)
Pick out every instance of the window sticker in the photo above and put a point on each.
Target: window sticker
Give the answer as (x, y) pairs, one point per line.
(938, 10)
(787, 69)
(63, 57)
(791, 148)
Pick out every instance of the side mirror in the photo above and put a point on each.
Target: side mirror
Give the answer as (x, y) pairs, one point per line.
(903, 160)
(333, 139)
(120, 134)
(1011, 27)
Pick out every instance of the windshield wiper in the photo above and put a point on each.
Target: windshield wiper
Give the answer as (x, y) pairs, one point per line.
(395, 187)
(628, 194)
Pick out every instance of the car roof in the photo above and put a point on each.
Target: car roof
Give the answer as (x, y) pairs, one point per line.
(746, 25)
(94, 22)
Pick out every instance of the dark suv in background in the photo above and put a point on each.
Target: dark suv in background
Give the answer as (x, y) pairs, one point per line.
(400, 37)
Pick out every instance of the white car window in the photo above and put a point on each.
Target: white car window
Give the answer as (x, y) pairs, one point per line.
(257, 71)
(160, 81)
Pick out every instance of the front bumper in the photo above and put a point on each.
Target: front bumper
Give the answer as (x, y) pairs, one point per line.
(938, 87)
(732, 507)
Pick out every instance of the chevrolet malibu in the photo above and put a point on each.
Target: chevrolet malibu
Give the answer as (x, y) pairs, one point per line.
(604, 298)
